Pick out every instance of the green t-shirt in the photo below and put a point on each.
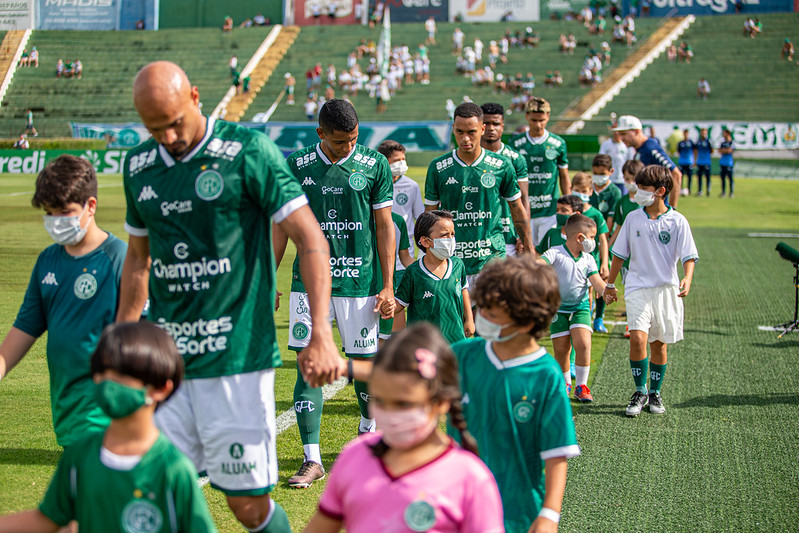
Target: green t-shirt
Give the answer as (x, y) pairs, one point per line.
(158, 495)
(207, 216)
(605, 201)
(474, 194)
(343, 196)
(553, 237)
(520, 167)
(520, 415)
(601, 227)
(544, 158)
(73, 298)
(402, 243)
(624, 206)
(436, 300)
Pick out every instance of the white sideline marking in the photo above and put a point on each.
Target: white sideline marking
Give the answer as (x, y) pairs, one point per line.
(771, 328)
(780, 235)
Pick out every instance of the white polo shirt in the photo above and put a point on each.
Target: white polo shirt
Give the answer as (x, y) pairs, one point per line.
(407, 202)
(573, 273)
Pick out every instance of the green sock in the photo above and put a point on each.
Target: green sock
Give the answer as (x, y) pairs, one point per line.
(656, 373)
(600, 308)
(278, 523)
(308, 407)
(362, 393)
(639, 369)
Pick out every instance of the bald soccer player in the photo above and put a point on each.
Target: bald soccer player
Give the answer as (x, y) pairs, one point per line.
(201, 196)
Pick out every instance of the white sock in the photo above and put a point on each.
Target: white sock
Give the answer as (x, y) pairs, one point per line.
(568, 376)
(268, 517)
(312, 453)
(581, 373)
(367, 425)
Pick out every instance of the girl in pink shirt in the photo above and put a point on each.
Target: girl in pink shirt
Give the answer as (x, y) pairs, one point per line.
(409, 476)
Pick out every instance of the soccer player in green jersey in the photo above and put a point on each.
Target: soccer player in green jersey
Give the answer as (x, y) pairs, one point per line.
(472, 184)
(200, 196)
(434, 289)
(547, 166)
(349, 188)
(494, 120)
(72, 294)
(514, 399)
(129, 478)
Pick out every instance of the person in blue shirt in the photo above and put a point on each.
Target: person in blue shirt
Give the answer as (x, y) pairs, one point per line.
(726, 150)
(649, 152)
(702, 151)
(685, 150)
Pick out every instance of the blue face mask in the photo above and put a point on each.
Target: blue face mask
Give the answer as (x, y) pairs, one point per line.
(582, 196)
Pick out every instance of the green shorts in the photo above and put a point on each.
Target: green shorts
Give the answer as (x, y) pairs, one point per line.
(564, 322)
(387, 324)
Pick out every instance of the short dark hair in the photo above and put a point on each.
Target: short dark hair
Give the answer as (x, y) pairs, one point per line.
(468, 110)
(655, 176)
(65, 180)
(633, 166)
(337, 115)
(425, 222)
(578, 223)
(493, 108)
(388, 147)
(603, 161)
(572, 201)
(140, 350)
(524, 289)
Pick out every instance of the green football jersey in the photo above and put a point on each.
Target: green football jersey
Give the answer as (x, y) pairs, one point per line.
(343, 196)
(520, 167)
(520, 416)
(158, 495)
(624, 206)
(207, 217)
(544, 158)
(437, 300)
(606, 200)
(553, 237)
(474, 194)
(73, 298)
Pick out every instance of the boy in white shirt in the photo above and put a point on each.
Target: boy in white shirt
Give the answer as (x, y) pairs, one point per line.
(655, 239)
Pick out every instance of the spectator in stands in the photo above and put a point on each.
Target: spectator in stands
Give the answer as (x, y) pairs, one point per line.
(787, 50)
(450, 107)
(685, 52)
(245, 84)
(604, 53)
(140, 24)
(59, 68)
(34, 58)
(77, 69)
(755, 28)
(29, 129)
(557, 79)
(598, 28)
(629, 30)
(430, 27)
(22, 142)
(671, 53)
(227, 25)
(310, 108)
(236, 81)
(586, 16)
(288, 87)
(233, 64)
(645, 5)
(507, 16)
(457, 41)
(531, 37)
(246, 23)
(316, 77)
(703, 89)
(260, 20)
(478, 50)
(331, 11)
(619, 35)
(24, 60)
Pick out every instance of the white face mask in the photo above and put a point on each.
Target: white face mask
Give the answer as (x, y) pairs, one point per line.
(398, 168)
(589, 245)
(644, 198)
(631, 187)
(404, 428)
(443, 248)
(489, 330)
(582, 196)
(600, 179)
(66, 231)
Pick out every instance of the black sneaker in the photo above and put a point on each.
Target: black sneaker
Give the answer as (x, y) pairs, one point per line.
(637, 402)
(309, 472)
(656, 403)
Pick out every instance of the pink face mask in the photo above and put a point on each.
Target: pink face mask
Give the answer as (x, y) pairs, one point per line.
(405, 428)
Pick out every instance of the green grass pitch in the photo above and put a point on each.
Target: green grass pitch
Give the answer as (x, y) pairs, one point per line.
(721, 458)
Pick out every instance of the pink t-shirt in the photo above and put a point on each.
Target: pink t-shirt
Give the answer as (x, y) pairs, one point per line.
(454, 492)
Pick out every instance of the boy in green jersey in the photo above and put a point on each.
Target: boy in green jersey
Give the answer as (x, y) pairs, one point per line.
(129, 478)
(72, 294)
(582, 188)
(403, 260)
(513, 393)
(547, 166)
(434, 288)
(604, 198)
(566, 206)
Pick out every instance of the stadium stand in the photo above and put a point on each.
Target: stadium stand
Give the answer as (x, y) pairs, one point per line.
(111, 60)
(749, 81)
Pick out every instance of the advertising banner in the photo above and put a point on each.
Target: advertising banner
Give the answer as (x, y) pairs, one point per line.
(310, 12)
(77, 14)
(494, 10)
(16, 14)
(418, 10)
(661, 8)
(33, 161)
(116, 135)
(745, 135)
(548, 7)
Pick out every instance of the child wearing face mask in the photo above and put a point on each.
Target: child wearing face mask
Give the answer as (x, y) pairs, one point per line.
(582, 186)
(434, 288)
(655, 239)
(407, 196)
(513, 394)
(409, 476)
(72, 294)
(130, 474)
(576, 270)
